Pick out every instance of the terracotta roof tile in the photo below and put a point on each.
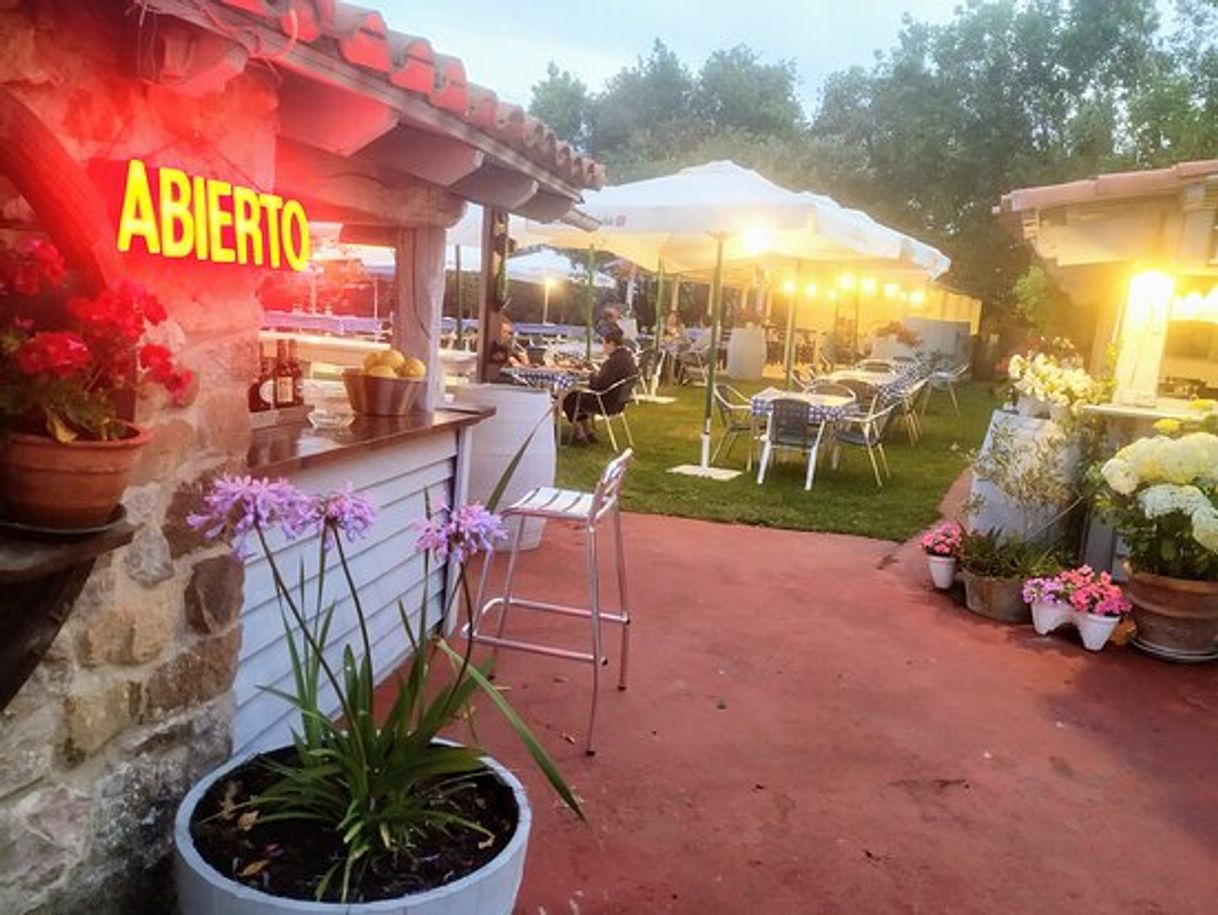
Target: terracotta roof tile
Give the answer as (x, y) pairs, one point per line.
(1113, 186)
(410, 63)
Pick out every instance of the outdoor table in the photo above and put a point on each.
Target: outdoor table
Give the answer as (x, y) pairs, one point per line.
(826, 408)
(890, 386)
(555, 379)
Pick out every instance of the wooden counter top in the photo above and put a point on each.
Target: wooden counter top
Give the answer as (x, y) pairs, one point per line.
(282, 450)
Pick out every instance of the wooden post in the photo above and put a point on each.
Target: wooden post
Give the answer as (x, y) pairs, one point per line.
(419, 282)
(494, 252)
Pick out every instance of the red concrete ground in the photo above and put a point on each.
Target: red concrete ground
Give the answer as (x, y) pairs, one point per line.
(810, 729)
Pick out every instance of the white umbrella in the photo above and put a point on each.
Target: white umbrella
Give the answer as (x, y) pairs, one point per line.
(713, 216)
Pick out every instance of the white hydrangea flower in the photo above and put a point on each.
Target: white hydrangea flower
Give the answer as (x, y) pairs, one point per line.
(1167, 498)
(1120, 476)
(1205, 528)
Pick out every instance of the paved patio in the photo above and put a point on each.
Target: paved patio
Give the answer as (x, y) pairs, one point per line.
(809, 728)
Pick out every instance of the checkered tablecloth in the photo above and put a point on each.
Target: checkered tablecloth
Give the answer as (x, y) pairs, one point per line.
(536, 376)
(824, 408)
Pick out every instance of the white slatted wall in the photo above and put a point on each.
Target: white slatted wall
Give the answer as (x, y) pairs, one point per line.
(384, 565)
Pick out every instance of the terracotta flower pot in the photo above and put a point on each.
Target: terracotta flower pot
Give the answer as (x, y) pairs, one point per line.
(1176, 618)
(998, 599)
(65, 485)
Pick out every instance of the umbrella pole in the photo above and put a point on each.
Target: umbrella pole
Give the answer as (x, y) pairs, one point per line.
(545, 303)
(789, 354)
(591, 304)
(716, 307)
(460, 304)
(661, 323)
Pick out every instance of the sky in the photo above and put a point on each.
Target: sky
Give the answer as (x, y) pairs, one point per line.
(506, 45)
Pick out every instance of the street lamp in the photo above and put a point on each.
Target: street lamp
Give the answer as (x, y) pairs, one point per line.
(545, 301)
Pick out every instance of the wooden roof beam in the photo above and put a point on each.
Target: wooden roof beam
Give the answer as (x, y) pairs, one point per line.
(497, 187)
(433, 158)
(348, 190)
(331, 118)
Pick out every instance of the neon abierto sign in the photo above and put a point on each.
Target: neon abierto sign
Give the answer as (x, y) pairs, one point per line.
(168, 213)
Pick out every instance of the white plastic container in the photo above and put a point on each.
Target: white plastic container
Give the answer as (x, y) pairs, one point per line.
(942, 571)
(1094, 629)
(518, 411)
(1048, 615)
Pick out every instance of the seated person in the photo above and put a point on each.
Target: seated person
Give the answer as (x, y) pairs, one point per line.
(504, 351)
(609, 321)
(580, 406)
(674, 328)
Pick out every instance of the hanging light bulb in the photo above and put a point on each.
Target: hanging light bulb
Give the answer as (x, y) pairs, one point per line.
(868, 286)
(810, 290)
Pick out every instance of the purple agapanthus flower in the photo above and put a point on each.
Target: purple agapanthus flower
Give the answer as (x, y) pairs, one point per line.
(347, 512)
(235, 505)
(462, 534)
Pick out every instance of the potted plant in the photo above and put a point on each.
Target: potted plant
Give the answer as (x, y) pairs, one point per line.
(1090, 602)
(994, 569)
(358, 815)
(1049, 602)
(1046, 385)
(941, 544)
(1160, 493)
(66, 361)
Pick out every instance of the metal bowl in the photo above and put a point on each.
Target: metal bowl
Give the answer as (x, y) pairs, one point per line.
(372, 396)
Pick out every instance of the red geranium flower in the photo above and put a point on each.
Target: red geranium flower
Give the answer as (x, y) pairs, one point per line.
(62, 353)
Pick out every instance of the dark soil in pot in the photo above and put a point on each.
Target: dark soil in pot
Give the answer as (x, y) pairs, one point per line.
(289, 858)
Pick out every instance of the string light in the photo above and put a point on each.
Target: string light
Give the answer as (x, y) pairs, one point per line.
(868, 285)
(810, 290)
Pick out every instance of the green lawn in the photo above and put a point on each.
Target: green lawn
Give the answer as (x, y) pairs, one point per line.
(845, 500)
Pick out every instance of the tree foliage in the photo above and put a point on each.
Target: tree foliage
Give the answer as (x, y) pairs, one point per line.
(1008, 93)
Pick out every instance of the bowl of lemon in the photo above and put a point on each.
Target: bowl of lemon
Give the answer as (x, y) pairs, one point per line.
(388, 384)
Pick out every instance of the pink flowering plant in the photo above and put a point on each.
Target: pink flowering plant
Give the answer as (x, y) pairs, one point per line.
(384, 792)
(1085, 590)
(943, 540)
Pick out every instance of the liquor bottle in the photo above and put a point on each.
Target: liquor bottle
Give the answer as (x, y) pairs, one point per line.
(262, 391)
(283, 376)
(297, 373)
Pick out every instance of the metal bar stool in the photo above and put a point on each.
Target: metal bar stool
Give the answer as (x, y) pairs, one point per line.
(588, 509)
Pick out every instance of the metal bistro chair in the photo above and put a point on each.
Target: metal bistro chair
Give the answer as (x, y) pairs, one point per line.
(611, 404)
(866, 430)
(907, 409)
(693, 364)
(945, 380)
(789, 428)
(736, 412)
(588, 509)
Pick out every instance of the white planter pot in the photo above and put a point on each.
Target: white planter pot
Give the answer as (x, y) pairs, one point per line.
(1030, 406)
(942, 571)
(1048, 615)
(1095, 630)
(490, 890)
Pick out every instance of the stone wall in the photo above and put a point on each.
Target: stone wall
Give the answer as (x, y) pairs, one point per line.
(132, 703)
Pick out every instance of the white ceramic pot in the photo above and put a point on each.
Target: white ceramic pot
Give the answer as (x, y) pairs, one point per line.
(1030, 406)
(942, 571)
(1094, 629)
(1048, 615)
(490, 890)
